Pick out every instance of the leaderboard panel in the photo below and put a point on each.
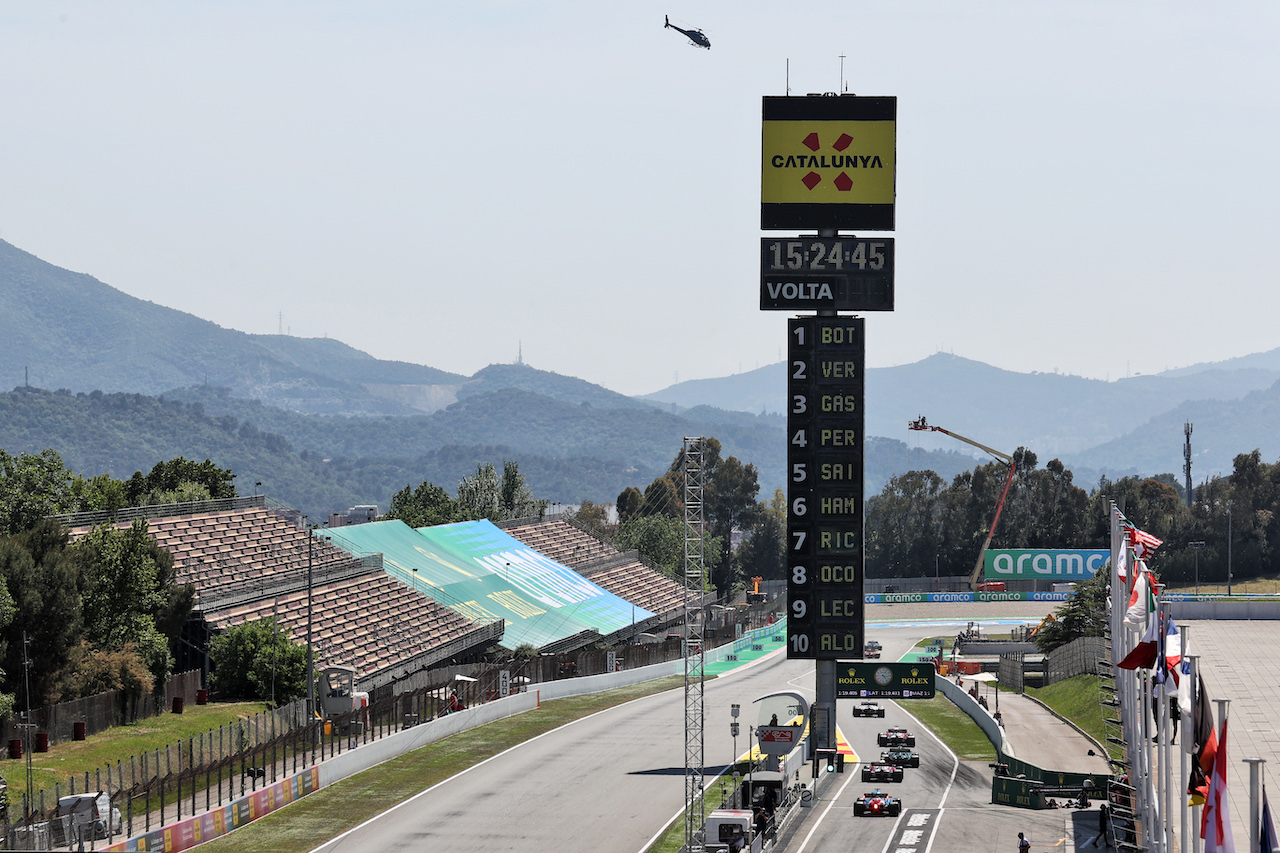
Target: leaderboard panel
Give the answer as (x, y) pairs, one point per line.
(825, 392)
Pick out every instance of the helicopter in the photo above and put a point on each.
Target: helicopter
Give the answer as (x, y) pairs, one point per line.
(697, 37)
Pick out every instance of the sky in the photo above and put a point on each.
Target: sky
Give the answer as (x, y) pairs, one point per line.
(1084, 187)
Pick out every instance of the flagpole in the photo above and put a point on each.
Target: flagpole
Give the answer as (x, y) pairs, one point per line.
(1223, 705)
(1196, 699)
(1166, 767)
(1165, 731)
(1184, 802)
(1255, 800)
(1149, 816)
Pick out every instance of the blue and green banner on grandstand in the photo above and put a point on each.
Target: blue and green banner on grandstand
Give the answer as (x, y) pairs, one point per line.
(939, 597)
(483, 573)
(1023, 563)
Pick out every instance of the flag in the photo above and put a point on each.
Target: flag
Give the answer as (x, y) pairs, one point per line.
(1168, 653)
(1145, 653)
(1141, 602)
(1215, 822)
(1267, 840)
(1206, 744)
(1143, 543)
(1186, 696)
(1122, 564)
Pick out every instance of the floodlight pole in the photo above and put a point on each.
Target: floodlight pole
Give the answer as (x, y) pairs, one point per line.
(311, 663)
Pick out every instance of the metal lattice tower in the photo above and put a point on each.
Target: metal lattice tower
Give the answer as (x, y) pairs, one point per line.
(1186, 466)
(694, 585)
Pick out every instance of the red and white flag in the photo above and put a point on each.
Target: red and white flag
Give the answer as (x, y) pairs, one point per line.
(1143, 543)
(1140, 600)
(1215, 823)
(1145, 653)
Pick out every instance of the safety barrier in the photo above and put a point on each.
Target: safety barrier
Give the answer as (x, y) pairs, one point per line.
(216, 823)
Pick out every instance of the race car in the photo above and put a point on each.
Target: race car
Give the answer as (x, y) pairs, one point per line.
(869, 653)
(876, 804)
(900, 757)
(872, 644)
(896, 737)
(868, 709)
(881, 773)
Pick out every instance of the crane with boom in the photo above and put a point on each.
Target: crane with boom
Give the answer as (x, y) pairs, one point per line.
(921, 424)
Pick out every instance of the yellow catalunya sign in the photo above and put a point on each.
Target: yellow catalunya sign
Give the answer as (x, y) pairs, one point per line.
(828, 162)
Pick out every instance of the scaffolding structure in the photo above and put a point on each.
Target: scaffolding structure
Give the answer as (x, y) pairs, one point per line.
(694, 704)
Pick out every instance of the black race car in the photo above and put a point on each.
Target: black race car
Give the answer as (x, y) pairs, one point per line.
(868, 709)
(870, 652)
(875, 804)
(900, 757)
(881, 773)
(896, 737)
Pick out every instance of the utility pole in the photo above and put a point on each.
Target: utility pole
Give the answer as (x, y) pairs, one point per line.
(1186, 464)
(28, 725)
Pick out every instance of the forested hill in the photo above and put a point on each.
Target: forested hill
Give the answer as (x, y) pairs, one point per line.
(62, 329)
(323, 464)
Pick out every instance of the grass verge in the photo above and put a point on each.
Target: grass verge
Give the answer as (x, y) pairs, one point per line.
(333, 810)
(953, 727)
(75, 758)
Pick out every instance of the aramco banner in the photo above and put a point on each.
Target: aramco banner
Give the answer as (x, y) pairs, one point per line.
(1031, 563)
(484, 573)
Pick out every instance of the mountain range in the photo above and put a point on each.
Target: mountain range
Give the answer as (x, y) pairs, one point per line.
(325, 400)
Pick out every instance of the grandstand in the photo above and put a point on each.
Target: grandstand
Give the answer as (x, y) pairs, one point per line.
(481, 570)
(622, 573)
(392, 601)
(247, 561)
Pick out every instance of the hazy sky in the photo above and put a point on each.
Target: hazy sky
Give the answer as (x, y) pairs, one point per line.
(1087, 187)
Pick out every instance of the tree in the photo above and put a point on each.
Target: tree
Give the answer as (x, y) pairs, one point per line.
(662, 498)
(594, 519)
(32, 487)
(42, 585)
(515, 499)
(257, 660)
(425, 506)
(127, 581)
(91, 671)
(478, 493)
(904, 526)
(730, 499)
(763, 552)
(177, 480)
(102, 493)
(484, 495)
(630, 503)
(1084, 614)
(658, 538)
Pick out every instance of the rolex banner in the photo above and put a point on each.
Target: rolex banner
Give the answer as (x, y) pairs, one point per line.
(874, 680)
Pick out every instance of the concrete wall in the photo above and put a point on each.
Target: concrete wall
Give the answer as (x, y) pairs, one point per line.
(407, 740)
(980, 715)
(1225, 610)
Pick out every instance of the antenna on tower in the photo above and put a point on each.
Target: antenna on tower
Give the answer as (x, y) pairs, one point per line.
(842, 87)
(1186, 465)
(788, 75)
